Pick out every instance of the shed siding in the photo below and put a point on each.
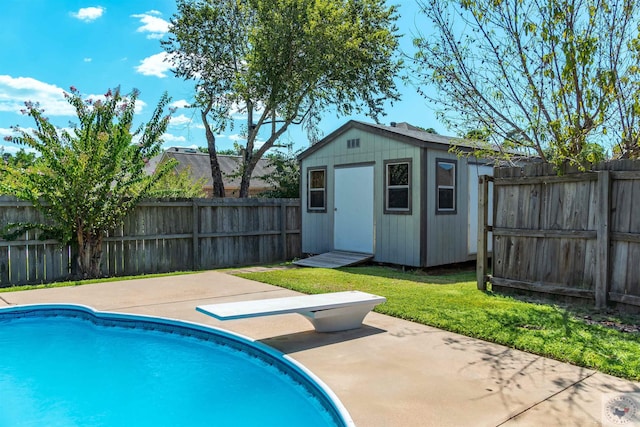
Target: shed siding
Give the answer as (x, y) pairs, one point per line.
(396, 236)
(446, 233)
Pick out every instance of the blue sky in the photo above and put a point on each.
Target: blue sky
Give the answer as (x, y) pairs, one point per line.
(47, 46)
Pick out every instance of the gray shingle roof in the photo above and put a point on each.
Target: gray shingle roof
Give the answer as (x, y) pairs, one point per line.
(200, 167)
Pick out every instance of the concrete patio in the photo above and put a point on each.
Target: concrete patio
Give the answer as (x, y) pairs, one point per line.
(391, 372)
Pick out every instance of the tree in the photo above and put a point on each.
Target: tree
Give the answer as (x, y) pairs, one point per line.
(88, 178)
(627, 100)
(539, 76)
(282, 62)
(285, 177)
(22, 158)
(178, 185)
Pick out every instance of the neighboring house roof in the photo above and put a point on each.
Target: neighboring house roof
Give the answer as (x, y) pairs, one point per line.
(403, 132)
(200, 167)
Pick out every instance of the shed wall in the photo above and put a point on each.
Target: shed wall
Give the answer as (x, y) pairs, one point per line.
(446, 234)
(396, 235)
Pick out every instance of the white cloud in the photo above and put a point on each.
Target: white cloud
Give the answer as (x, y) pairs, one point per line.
(89, 14)
(140, 104)
(5, 132)
(152, 24)
(182, 103)
(14, 91)
(180, 120)
(154, 65)
(168, 137)
(87, 59)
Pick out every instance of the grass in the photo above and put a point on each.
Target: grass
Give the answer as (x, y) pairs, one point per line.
(452, 302)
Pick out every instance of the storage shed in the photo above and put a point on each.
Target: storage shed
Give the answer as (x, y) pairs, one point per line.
(395, 192)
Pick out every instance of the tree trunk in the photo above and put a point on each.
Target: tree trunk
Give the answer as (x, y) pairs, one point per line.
(246, 176)
(89, 255)
(251, 159)
(216, 173)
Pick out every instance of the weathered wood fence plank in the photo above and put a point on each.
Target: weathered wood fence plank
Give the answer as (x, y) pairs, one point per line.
(162, 236)
(576, 234)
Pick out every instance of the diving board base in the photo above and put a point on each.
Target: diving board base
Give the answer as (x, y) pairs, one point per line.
(338, 319)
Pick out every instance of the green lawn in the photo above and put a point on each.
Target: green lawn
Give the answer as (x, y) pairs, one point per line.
(453, 303)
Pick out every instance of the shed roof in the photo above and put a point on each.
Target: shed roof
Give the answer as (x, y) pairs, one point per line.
(403, 132)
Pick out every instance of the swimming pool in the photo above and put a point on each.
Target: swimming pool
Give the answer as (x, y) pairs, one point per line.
(68, 365)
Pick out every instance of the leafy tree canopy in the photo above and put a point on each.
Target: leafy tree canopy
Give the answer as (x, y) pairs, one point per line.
(285, 177)
(178, 185)
(89, 177)
(22, 158)
(554, 78)
(282, 62)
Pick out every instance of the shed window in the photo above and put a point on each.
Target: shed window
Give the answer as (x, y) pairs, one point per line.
(317, 190)
(398, 186)
(446, 186)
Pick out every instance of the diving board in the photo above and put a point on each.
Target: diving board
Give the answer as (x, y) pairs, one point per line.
(331, 312)
(334, 259)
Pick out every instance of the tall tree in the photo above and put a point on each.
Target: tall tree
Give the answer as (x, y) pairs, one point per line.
(88, 178)
(282, 62)
(626, 117)
(539, 76)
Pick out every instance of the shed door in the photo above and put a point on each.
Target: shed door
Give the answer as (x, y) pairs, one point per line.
(353, 209)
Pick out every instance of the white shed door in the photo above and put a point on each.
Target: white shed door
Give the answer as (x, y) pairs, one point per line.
(472, 237)
(353, 209)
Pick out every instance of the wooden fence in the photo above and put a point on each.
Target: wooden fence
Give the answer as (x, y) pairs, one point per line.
(162, 236)
(576, 234)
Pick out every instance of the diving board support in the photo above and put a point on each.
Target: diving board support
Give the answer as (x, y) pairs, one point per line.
(331, 312)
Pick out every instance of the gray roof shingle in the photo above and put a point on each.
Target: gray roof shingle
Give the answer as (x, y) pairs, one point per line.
(200, 167)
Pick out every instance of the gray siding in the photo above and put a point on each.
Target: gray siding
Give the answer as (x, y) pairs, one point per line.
(446, 241)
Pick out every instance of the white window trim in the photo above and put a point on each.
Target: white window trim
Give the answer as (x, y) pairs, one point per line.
(317, 190)
(397, 187)
(446, 187)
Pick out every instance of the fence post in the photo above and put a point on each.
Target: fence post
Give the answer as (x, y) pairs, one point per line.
(603, 237)
(196, 235)
(483, 215)
(283, 228)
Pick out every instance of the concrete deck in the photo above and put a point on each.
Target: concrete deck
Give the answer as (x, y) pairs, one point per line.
(390, 372)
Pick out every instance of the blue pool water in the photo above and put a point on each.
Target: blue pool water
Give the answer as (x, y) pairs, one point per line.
(70, 366)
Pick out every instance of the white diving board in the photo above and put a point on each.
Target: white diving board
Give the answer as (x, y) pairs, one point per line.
(331, 312)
